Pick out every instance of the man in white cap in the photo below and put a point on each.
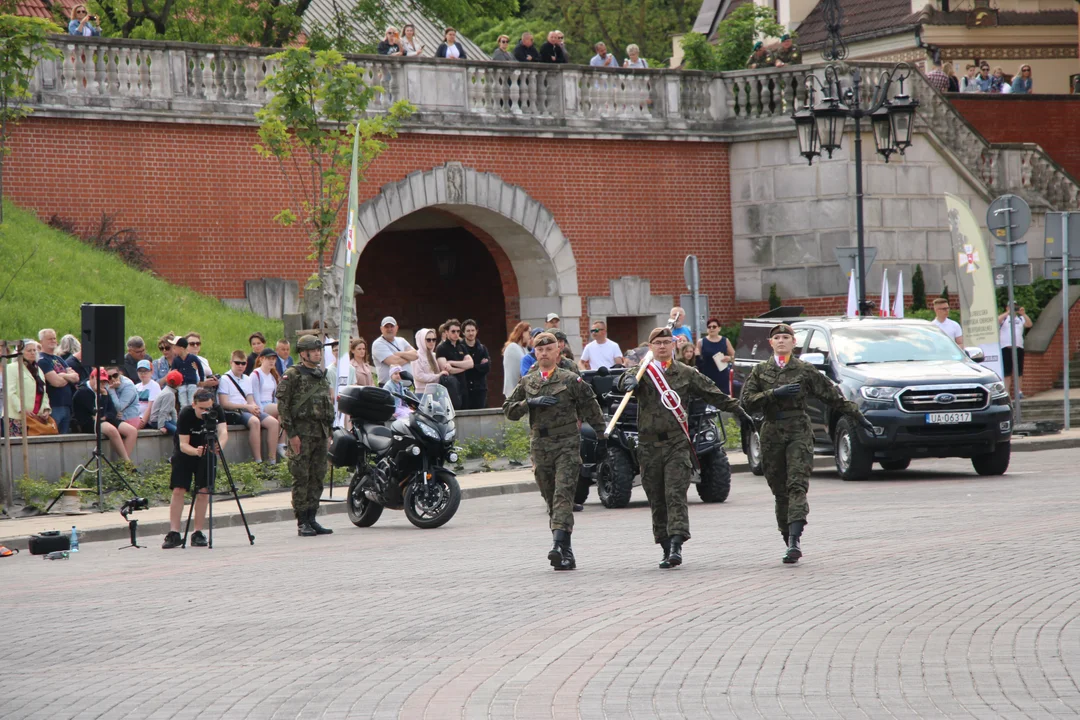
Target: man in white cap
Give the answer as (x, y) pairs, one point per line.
(552, 322)
(391, 351)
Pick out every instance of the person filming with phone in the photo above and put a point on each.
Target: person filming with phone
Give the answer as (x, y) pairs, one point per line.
(83, 23)
(190, 462)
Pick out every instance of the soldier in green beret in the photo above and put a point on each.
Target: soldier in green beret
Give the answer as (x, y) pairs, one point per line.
(787, 53)
(555, 401)
(779, 387)
(307, 416)
(759, 58)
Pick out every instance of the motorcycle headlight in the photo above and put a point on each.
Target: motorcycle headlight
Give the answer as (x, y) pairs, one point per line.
(996, 389)
(450, 434)
(710, 436)
(429, 431)
(871, 392)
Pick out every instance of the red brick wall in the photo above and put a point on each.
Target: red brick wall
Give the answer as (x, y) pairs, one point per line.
(204, 201)
(1042, 369)
(1052, 121)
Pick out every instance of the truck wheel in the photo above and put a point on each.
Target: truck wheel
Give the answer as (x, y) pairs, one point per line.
(894, 465)
(853, 459)
(715, 482)
(993, 463)
(753, 453)
(615, 479)
(581, 494)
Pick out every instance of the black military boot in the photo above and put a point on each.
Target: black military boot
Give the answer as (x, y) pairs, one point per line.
(794, 550)
(303, 525)
(319, 529)
(666, 544)
(675, 556)
(561, 556)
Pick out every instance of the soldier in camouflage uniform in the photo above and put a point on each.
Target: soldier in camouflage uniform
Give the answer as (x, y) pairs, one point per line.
(566, 363)
(307, 416)
(760, 58)
(787, 53)
(555, 400)
(664, 451)
(779, 387)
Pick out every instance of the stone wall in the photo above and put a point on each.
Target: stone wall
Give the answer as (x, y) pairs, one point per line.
(787, 218)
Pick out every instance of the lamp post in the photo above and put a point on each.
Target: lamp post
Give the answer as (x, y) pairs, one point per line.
(820, 127)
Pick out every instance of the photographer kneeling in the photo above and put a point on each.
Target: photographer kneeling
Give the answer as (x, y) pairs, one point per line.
(189, 461)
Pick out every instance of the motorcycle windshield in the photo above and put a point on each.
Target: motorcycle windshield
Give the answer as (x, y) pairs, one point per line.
(435, 402)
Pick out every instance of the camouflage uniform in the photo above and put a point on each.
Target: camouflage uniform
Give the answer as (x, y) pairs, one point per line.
(791, 56)
(760, 59)
(663, 450)
(787, 441)
(306, 410)
(564, 362)
(556, 444)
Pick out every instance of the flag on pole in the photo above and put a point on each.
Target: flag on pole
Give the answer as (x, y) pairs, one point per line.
(898, 303)
(348, 275)
(852, 298)
(883, 311)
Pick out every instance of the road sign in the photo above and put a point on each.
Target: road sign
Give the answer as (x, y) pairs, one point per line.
(1019, 254)
(1021, 275)
(1052, 269)
(693, 284)
(847, 257)
(1008, 210)
(1054, 236)
(690, 272)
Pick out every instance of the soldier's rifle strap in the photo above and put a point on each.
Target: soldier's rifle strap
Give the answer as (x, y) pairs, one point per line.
(309, 396)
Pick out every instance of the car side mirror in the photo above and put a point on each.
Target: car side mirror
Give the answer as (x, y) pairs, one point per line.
(815, 359)
(975, 353)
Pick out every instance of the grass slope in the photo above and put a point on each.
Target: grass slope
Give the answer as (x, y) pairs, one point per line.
(65, 272)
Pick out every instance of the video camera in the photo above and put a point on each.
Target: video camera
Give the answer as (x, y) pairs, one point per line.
(135, 503)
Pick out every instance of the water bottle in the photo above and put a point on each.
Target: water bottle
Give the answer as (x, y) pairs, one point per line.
(74, 539)
(57, 555)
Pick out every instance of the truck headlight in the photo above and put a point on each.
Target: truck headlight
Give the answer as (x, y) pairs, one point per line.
(873, 392)
(996, 389)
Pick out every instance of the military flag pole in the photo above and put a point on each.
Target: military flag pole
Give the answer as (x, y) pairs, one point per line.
(626, 398)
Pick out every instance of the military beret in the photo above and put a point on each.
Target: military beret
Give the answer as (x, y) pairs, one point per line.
(781, 328)
(659, 333)
(785, 37)
(560, 335)
(544, 338)
(758, 45)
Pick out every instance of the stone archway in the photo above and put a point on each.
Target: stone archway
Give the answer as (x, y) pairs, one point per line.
(539, 252)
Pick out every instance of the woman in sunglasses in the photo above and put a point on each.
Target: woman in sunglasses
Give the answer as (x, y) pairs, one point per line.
(1021, 84)
(426, 367)
(716, 354)
(502, 52)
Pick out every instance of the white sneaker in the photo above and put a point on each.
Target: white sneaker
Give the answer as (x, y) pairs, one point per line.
(281, 450)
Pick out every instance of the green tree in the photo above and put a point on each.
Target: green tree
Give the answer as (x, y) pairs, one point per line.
(918, 289)
(269, 23)
(945, 292)
(319, 102)
(774, 297)
(23, 44)
(736, 36)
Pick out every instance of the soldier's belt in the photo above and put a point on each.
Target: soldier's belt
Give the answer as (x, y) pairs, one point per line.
(545, 432)
(785, 414)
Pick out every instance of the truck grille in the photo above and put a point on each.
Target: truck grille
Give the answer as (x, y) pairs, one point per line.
(943, 399)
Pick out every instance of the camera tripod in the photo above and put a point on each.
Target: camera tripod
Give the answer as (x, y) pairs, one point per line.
(97, 457)
(213, 449)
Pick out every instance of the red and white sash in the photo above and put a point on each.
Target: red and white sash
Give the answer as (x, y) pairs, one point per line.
(669, 397)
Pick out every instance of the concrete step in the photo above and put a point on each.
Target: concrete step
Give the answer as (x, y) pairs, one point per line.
(1053, 410)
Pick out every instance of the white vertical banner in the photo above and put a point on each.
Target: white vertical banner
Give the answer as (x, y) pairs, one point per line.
(852, 297)
(883, 311)
(898, 302)
(348, 281)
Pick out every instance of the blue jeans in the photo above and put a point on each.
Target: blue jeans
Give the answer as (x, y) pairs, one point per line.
(62, 416)
(171, 427)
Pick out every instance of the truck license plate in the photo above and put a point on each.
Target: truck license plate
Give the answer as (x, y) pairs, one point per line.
(947, 418)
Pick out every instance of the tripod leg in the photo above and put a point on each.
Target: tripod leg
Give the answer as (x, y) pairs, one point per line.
(191, 511)
(236, 496)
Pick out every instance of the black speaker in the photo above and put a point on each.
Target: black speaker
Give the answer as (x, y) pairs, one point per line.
(103, 341)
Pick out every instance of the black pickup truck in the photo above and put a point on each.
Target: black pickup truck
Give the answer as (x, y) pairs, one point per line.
(926, 397)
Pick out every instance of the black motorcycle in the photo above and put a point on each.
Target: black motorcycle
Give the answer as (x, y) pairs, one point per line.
(616, 471)
(401, 466)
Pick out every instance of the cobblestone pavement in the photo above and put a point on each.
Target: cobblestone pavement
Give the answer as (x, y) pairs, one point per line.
(928, 593)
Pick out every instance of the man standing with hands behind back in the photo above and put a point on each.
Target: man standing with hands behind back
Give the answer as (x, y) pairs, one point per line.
(779, 388)
(555, 400)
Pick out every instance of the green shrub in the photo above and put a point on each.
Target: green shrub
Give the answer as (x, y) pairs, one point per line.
(733, 430)
(918, 290)
(515, 441)
(36, 492)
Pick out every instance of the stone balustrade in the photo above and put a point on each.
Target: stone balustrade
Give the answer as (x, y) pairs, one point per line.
(171, 82)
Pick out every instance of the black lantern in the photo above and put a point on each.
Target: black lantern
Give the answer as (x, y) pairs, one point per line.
(807, 134)
(881, 122)
(829, 117)
(902, 118)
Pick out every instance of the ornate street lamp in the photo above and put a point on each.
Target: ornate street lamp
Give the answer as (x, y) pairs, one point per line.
(892, 120)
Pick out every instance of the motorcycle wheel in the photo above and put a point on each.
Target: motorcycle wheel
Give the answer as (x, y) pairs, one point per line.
(615, 479)
(581, 494)
(753, 453)
(362, 511)
(715, 482)
(430, 505)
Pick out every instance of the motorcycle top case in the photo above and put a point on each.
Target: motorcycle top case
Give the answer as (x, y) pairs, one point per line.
(344, 449)
(368, 404)
(48, 542)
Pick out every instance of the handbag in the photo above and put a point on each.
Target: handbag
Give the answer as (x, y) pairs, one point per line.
(37, 426)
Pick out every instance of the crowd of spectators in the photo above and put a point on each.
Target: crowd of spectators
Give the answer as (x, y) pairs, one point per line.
(981, 78)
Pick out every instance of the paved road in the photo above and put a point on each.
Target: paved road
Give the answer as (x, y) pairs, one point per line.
(931, 593)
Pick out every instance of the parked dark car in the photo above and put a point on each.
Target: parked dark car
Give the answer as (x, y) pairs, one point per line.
(926, 397)
(613, 466)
